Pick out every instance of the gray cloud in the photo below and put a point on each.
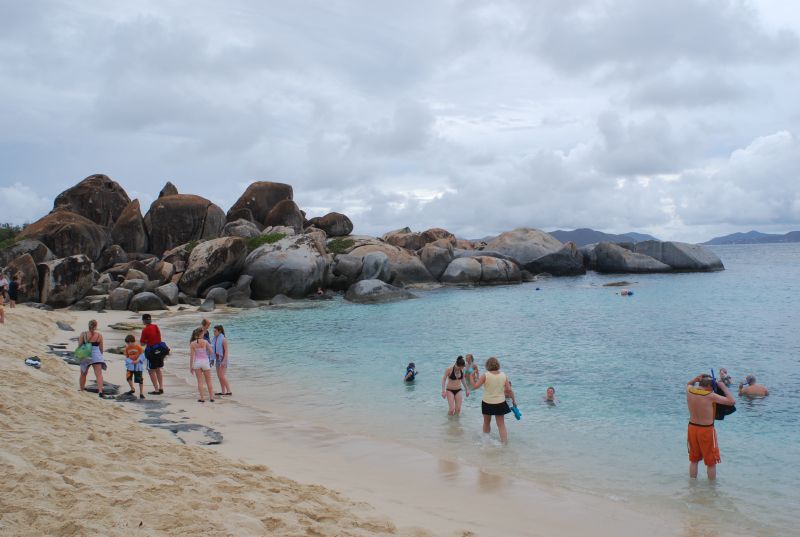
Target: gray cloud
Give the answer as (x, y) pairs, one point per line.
(669, 117)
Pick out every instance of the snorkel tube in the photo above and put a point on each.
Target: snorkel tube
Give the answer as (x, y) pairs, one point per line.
(713, 380)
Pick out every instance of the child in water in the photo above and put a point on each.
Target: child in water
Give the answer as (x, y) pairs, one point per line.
(550, 396)
(472, 371)
(411, 372)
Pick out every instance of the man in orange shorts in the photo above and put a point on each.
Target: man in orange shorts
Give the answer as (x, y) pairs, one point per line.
(702, 438)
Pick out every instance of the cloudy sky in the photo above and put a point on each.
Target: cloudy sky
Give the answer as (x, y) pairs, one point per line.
(679, 118)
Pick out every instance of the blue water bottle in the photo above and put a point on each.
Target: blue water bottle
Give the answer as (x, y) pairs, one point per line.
(517, 413)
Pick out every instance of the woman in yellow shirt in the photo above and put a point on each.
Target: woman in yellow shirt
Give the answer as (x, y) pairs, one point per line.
(496, 387)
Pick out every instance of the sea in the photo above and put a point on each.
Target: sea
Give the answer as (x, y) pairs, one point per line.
(619, 365)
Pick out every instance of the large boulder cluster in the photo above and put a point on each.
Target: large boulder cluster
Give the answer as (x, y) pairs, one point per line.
(96, 250)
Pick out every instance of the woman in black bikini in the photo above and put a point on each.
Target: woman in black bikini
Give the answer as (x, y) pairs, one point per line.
(452, 381)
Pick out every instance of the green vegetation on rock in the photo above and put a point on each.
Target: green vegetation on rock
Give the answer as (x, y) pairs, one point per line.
(340, 246)
(8, 235)
(261, 240)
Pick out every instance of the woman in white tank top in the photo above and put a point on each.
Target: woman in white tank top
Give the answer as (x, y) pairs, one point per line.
(496, 387)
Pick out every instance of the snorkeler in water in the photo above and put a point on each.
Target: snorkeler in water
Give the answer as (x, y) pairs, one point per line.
(411, 372)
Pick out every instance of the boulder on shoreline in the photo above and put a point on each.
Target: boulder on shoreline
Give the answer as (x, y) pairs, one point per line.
(97, 198)
(213, 262)
(38, 251)
(25, 265)
(375, 292)
(64, 281)
(146, 301)
(481, 270)
(293, 266)
(681, 256)
(333, 224)
(567, 261)
(241, 228)
(436, 258)
(611, 258)
(259, 198)
(68, 234)
(179, 219)
(285, 213)
(405, 267)
(524, 246)
(129, 231)
(119, 299)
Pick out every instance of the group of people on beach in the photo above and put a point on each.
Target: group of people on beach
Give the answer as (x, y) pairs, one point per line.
(9, 292)
(207, 349)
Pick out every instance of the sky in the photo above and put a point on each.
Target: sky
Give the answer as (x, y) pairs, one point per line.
(677, 118)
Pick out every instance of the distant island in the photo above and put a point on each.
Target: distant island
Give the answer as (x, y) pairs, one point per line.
(584, 236)
(755, 237)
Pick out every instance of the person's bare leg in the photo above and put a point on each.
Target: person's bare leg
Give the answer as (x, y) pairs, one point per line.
(198, 373)
(501, 428)
(209, 383)
(487, 424)
(160, 375)
(711, 471)
(458, 400)
(141, 389)
(82, 382)
(222, 373)
(693, 470)
(130, 383)
(451, 403)
(153, 378)
(98, 374)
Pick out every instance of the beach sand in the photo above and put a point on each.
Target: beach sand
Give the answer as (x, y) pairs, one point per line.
(74, 464)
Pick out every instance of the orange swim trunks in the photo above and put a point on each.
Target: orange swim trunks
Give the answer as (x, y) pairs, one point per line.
(702, 442)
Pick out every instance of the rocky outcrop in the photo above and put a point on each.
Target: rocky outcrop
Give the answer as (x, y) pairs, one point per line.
(64, 281)
(294, 266)
(25, 266)
(146, 301)
(113, 255)
(179, 219)
(680, 255)
(119, 299)
(464, 270)
(218, 295)
(259, 198)
(374, 292)
(67, 234)
(405, 238)
(436, 258)
(610, 257)
(375, 266)
(333, 224)
(168, 293)
(38, 251)
(241, 228)
(168, 190)
(128, 231)
(436, 234)
(212, 262)
(568, 261)
(348, 267)
(525, 245)
(405, 266)
(481, 270)
(97, 198)
(285, 213)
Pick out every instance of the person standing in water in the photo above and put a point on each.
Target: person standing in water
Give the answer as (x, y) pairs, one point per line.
(472, 371)
(452, 381)
(496, 387)
(751, 388)
(701, 435)
(220, 346)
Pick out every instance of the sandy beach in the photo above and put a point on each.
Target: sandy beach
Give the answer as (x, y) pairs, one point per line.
(73, 464)
(78, 465)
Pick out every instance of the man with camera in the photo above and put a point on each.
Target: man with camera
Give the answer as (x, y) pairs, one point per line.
(702, 437)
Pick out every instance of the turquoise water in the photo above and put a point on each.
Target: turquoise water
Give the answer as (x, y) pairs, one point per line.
(619, 366)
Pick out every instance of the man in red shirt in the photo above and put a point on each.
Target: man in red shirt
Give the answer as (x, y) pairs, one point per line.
(151, 336)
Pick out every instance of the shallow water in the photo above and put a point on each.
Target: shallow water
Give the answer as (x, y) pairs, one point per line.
(619, 366)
